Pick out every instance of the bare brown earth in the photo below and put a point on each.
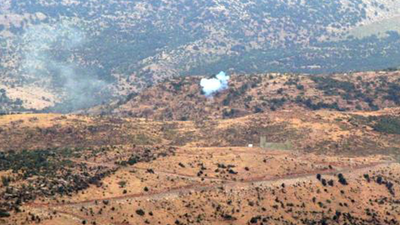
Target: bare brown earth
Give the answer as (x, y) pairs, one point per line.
(337, 168)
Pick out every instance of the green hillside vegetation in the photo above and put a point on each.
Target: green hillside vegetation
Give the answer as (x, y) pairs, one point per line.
(115, 48)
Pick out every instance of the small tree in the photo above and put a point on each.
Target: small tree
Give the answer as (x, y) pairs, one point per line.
(342, 180)
(4, 213)
(5, 181)
(122, 184)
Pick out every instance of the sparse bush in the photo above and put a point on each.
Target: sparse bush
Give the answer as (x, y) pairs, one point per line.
(366, 176)
(342, 180)
(140, 212)
(386, 124)
(5, 181)
(4, 213)
(122, 184)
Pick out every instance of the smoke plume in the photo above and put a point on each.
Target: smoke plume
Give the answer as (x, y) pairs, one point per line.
(216, 84)
(51, 58)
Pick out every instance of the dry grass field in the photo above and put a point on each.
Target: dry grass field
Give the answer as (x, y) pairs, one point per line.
(76, 169)
(230, 186)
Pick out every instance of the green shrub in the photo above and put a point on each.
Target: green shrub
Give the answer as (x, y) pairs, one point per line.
(389, 125)
(4, 213)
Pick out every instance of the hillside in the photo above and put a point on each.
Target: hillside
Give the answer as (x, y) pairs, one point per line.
(182, 98)
(203, 112)
(69, 55)
(316, 167)
(327, 132)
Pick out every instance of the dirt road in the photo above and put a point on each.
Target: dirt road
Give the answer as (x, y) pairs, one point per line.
(250, 182)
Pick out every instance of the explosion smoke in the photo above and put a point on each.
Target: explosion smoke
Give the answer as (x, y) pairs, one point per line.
(216, 84)
(51, 59)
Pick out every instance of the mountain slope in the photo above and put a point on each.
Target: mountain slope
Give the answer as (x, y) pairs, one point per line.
(182, 98)
(80, 53)
(312, 166)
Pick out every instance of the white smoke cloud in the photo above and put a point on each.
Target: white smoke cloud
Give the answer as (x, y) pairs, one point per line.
(216, 84)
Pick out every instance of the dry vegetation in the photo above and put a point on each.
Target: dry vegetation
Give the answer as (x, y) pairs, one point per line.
(230, 186)
(182, 99)
(166, 154)
(75, 169)
(328, 132)
(180, 38)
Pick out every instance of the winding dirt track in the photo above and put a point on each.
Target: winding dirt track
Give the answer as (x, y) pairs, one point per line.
(181, 191)
(176, 192)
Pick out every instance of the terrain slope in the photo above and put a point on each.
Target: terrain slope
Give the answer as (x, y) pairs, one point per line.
(69, 55)
(305, 167)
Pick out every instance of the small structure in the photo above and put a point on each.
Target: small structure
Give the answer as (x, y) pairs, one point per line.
(250, 145)
(263, 142)
(277, 146)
